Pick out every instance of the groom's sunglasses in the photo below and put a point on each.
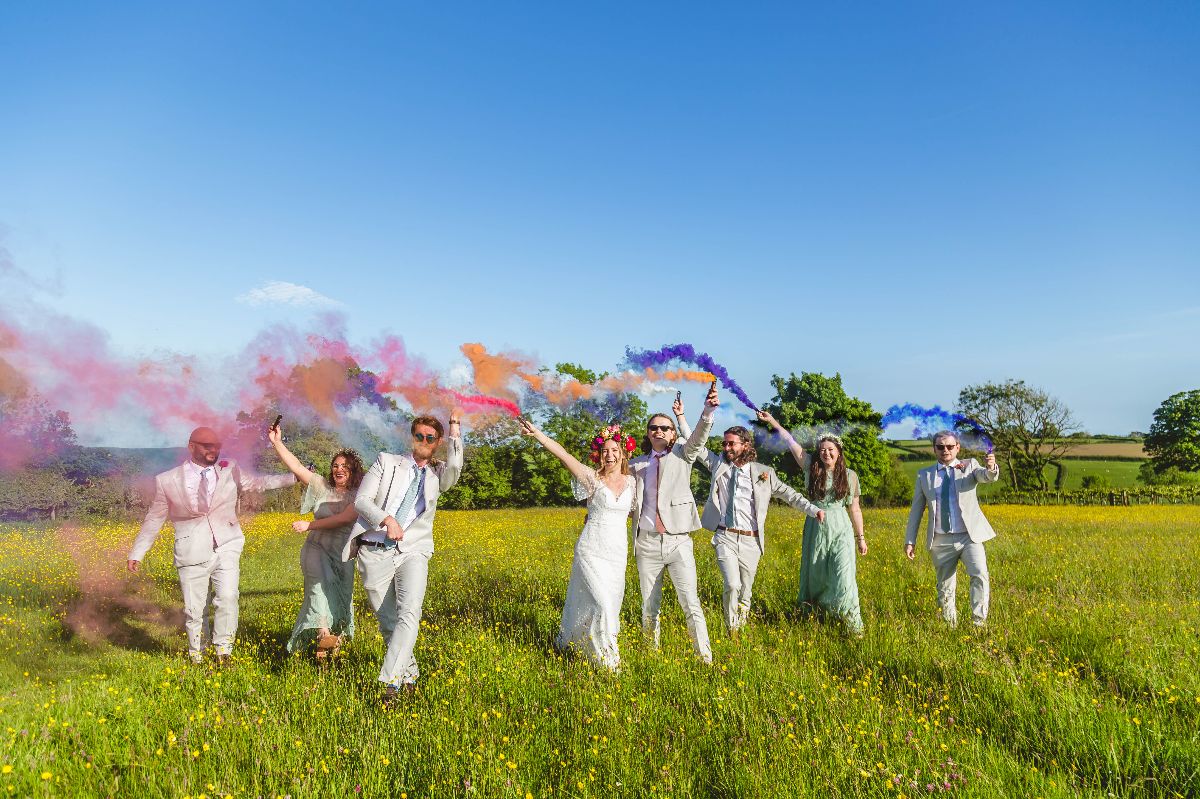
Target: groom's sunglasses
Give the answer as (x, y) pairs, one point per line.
(944, 446)
(428, 438)
(659, 428)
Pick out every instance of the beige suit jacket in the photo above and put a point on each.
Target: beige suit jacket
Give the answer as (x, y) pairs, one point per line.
(385, 485)
(676, 505)
(965, 483)
(195, 532)
(766, 485)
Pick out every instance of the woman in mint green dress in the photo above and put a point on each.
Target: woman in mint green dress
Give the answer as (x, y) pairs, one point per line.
(828, 565)
(326, 615)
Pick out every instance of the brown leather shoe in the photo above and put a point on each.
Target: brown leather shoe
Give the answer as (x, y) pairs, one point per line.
(225, 661)
(393, 694)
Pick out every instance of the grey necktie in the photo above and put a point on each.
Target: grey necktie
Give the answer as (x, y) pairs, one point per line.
(947, 483)
(410, 497)
(729, 509)
(202, 497)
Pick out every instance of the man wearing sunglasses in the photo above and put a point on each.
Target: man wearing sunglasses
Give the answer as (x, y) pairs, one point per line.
(393, 540)
(200, 498)
(664, 517)
(957, 527)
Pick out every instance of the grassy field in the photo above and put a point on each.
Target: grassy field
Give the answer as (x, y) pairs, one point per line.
(1119, 474)
(1087, 682)
(1080, 448)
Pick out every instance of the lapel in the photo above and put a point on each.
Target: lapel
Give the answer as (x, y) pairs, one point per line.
(758, 487)
(432, 487)
(721, 473)
(180, 486)
(224, 477)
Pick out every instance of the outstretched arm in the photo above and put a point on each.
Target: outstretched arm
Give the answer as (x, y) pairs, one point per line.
(452, 468)
(341, 519)
(793, 445)
(681, 422)
(156, 517)
(302, 473)
(989, 475)
(781, 490)
(694, 446)
(583, 474)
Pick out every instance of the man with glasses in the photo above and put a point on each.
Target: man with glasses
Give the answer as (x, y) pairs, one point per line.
(957, 527)
(393, 538)
(664, 517)
(200, 498)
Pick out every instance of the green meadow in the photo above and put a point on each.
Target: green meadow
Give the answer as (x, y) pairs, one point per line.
(1086, 683)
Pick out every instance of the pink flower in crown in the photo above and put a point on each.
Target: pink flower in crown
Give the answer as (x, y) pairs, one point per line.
(224, 464)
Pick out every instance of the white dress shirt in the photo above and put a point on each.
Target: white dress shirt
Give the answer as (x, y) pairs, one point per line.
(650, 491)
(956, 518)
(191, 482)
(744, 517)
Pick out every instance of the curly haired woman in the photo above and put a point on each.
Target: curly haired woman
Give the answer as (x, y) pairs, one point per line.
(327, 613)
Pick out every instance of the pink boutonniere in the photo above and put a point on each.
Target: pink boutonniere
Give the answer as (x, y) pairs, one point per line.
(224, 464)
(762, 478)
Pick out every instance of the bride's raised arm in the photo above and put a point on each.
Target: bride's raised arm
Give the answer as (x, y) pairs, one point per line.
(584, 474)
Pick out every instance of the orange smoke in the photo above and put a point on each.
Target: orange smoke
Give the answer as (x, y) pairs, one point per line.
(495, 373)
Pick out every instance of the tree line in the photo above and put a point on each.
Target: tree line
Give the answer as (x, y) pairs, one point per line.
(45, 473)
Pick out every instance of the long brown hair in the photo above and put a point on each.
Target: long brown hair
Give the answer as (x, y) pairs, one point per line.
(750, 453)
(818, 474)
(356, 468)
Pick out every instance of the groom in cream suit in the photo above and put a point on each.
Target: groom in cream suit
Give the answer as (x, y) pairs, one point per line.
(664, 517)
(957, 528)
(393, 538)
(736, 512)
(200, 498)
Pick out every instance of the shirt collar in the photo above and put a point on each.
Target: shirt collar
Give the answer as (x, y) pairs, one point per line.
(949, 468)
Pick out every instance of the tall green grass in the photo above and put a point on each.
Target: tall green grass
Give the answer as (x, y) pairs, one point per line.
(1085, 683)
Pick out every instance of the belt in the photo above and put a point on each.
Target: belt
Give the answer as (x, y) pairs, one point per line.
(735, 530)
(652, 531)
(379, 544)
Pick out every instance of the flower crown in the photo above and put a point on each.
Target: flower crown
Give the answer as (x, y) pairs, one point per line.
(612, 432)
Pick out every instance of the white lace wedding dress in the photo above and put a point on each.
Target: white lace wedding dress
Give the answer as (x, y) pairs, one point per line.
(592, 616)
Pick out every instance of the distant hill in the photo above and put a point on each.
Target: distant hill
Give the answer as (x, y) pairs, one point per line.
(147, 460)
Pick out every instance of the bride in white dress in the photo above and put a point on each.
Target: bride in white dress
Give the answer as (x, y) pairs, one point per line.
(592, 615)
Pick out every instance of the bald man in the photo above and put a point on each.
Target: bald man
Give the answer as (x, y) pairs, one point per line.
(200, 498)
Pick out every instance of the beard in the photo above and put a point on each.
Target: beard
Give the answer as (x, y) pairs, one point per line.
(423, 451)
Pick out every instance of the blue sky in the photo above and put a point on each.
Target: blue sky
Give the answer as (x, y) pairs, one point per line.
(916, 195)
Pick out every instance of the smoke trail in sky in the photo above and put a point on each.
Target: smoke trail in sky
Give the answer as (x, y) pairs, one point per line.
(930, 420)
(688, 354)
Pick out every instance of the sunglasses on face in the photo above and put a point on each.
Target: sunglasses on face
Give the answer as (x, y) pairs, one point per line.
(429, 438)
(945, 446)
(205, 445)
(659, 428)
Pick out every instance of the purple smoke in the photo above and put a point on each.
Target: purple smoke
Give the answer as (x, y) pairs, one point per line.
(687, 353)
(931, 420)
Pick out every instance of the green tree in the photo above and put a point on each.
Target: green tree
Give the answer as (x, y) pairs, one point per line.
(812, 403)
(34, 493)
(1174, 438)
(1027, 426)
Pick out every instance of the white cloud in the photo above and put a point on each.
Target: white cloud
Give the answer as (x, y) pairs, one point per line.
(278, 292)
